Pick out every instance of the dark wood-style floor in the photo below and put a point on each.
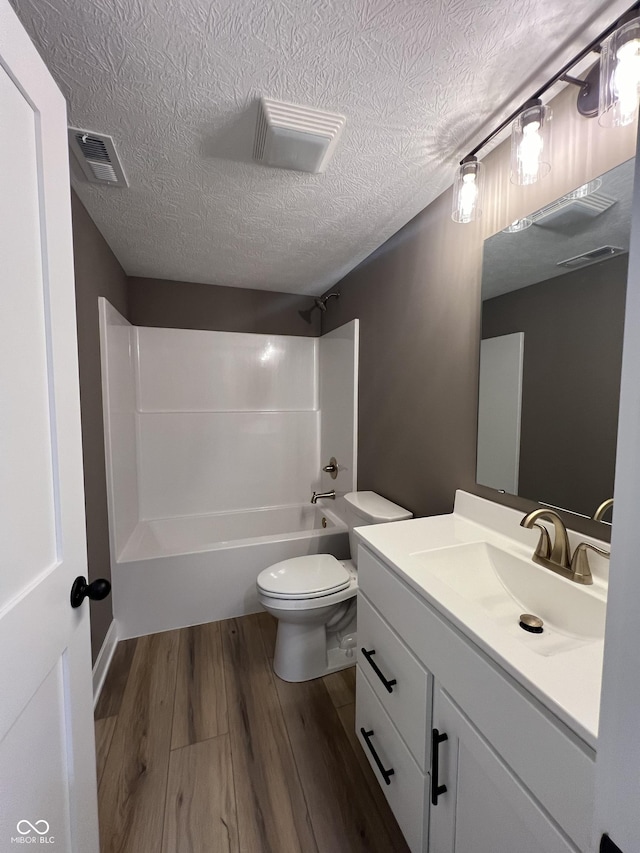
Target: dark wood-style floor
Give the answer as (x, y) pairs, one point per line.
(202, 748)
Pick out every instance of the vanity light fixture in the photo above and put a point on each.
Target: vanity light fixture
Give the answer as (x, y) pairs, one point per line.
(620, 75)
(531, 143)
(610, 90)
(467, 191)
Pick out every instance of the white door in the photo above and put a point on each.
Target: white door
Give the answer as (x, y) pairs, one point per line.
(47, 755)
(500, 412)
(481, 806)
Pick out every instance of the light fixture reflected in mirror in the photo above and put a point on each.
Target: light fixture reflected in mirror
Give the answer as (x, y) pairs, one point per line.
(531, 143)
(586, 189)
(467, 191)
(518, 225)
(620, 75)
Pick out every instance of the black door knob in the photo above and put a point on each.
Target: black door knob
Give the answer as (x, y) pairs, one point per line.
(96, 591)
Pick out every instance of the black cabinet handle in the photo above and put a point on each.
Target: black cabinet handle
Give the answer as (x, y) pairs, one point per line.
(436, 788)
(369, 655)
(386, 774)
(96, 591)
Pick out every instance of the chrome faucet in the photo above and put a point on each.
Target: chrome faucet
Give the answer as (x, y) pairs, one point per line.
(557, 558)
(317, 495)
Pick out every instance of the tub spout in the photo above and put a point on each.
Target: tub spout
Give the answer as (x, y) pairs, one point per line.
(317, 495)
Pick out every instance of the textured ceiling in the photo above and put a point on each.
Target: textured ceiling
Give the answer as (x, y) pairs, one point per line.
(512, 261)
(176, 82)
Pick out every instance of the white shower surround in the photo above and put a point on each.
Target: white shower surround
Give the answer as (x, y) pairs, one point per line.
(214, 442)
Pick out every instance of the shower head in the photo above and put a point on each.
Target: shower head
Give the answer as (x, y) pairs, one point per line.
(321, 301)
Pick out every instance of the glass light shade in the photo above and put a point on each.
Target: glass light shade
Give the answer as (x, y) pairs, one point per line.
(518, 225)
(467, 191)
(586, 189)
(620, 76)
(531, 145)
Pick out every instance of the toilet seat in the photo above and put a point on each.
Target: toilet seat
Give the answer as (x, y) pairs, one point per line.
(307, 577)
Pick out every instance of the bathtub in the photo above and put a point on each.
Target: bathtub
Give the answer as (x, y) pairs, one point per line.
(175, 572)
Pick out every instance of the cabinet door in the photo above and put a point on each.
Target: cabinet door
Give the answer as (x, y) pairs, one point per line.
(485, 808)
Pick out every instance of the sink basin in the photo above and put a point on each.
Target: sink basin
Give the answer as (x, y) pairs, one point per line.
(504, 585)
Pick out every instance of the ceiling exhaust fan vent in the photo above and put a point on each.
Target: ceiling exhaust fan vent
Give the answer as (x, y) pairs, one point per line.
(97, 157)
(293, 137)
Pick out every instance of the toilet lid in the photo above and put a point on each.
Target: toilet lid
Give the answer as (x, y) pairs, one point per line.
(304, 577)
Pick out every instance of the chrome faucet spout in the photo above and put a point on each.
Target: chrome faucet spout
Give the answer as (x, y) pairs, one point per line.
(318, 495)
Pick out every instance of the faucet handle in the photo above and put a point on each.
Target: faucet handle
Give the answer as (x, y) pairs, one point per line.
(331, 468)
(580, 562)
(543, 548)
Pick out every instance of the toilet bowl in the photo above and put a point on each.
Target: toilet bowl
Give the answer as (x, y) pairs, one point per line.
(314, 599)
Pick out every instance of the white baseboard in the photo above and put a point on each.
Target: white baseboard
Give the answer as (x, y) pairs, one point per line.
(103, 661)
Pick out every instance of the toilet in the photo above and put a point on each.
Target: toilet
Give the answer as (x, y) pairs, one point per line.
(314, 598)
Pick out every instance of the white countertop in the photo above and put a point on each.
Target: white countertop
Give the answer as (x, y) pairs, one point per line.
(568, 683)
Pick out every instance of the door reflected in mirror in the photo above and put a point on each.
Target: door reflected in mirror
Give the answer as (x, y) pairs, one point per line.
(553, 294)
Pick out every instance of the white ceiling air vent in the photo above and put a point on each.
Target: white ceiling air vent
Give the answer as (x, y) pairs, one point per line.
(592, 257)
(566, 210)
(97, 157)
(292, 137)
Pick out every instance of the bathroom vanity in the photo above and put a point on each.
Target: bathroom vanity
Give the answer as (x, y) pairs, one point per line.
(482, 735)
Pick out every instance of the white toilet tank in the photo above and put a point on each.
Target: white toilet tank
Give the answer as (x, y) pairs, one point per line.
(370, 508)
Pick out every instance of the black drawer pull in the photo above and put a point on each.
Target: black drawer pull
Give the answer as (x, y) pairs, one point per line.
(436, 788)
(386, 774)
(369, 655)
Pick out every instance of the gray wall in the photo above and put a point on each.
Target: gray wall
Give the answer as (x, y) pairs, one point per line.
(419, 337)
(97, 273)
(185, 305)
(573, 327)
(418, 298)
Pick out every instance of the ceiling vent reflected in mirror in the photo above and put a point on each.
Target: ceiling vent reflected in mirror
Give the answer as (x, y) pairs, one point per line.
(593, 257)
(96, 155)
(570, 209)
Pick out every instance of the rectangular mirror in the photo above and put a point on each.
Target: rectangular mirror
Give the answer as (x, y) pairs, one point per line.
(553, 295)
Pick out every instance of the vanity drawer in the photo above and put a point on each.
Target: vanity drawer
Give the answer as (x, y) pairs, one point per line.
(408, 701)
(407, 787)
(552, 762)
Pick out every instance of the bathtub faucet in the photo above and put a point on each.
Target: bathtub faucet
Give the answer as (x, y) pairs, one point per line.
(317, 495)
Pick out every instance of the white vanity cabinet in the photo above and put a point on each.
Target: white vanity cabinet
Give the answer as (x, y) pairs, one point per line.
(516, 778)
(483, 807)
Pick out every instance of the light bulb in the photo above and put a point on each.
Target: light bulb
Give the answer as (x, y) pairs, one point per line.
(468, 196)
(530, 141)
(626, 79)
(529, 151)
(467, 191)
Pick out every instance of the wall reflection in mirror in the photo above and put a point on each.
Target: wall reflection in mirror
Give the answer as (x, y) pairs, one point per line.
(553, 293)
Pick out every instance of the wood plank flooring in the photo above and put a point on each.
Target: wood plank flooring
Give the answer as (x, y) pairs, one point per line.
(202, 749)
